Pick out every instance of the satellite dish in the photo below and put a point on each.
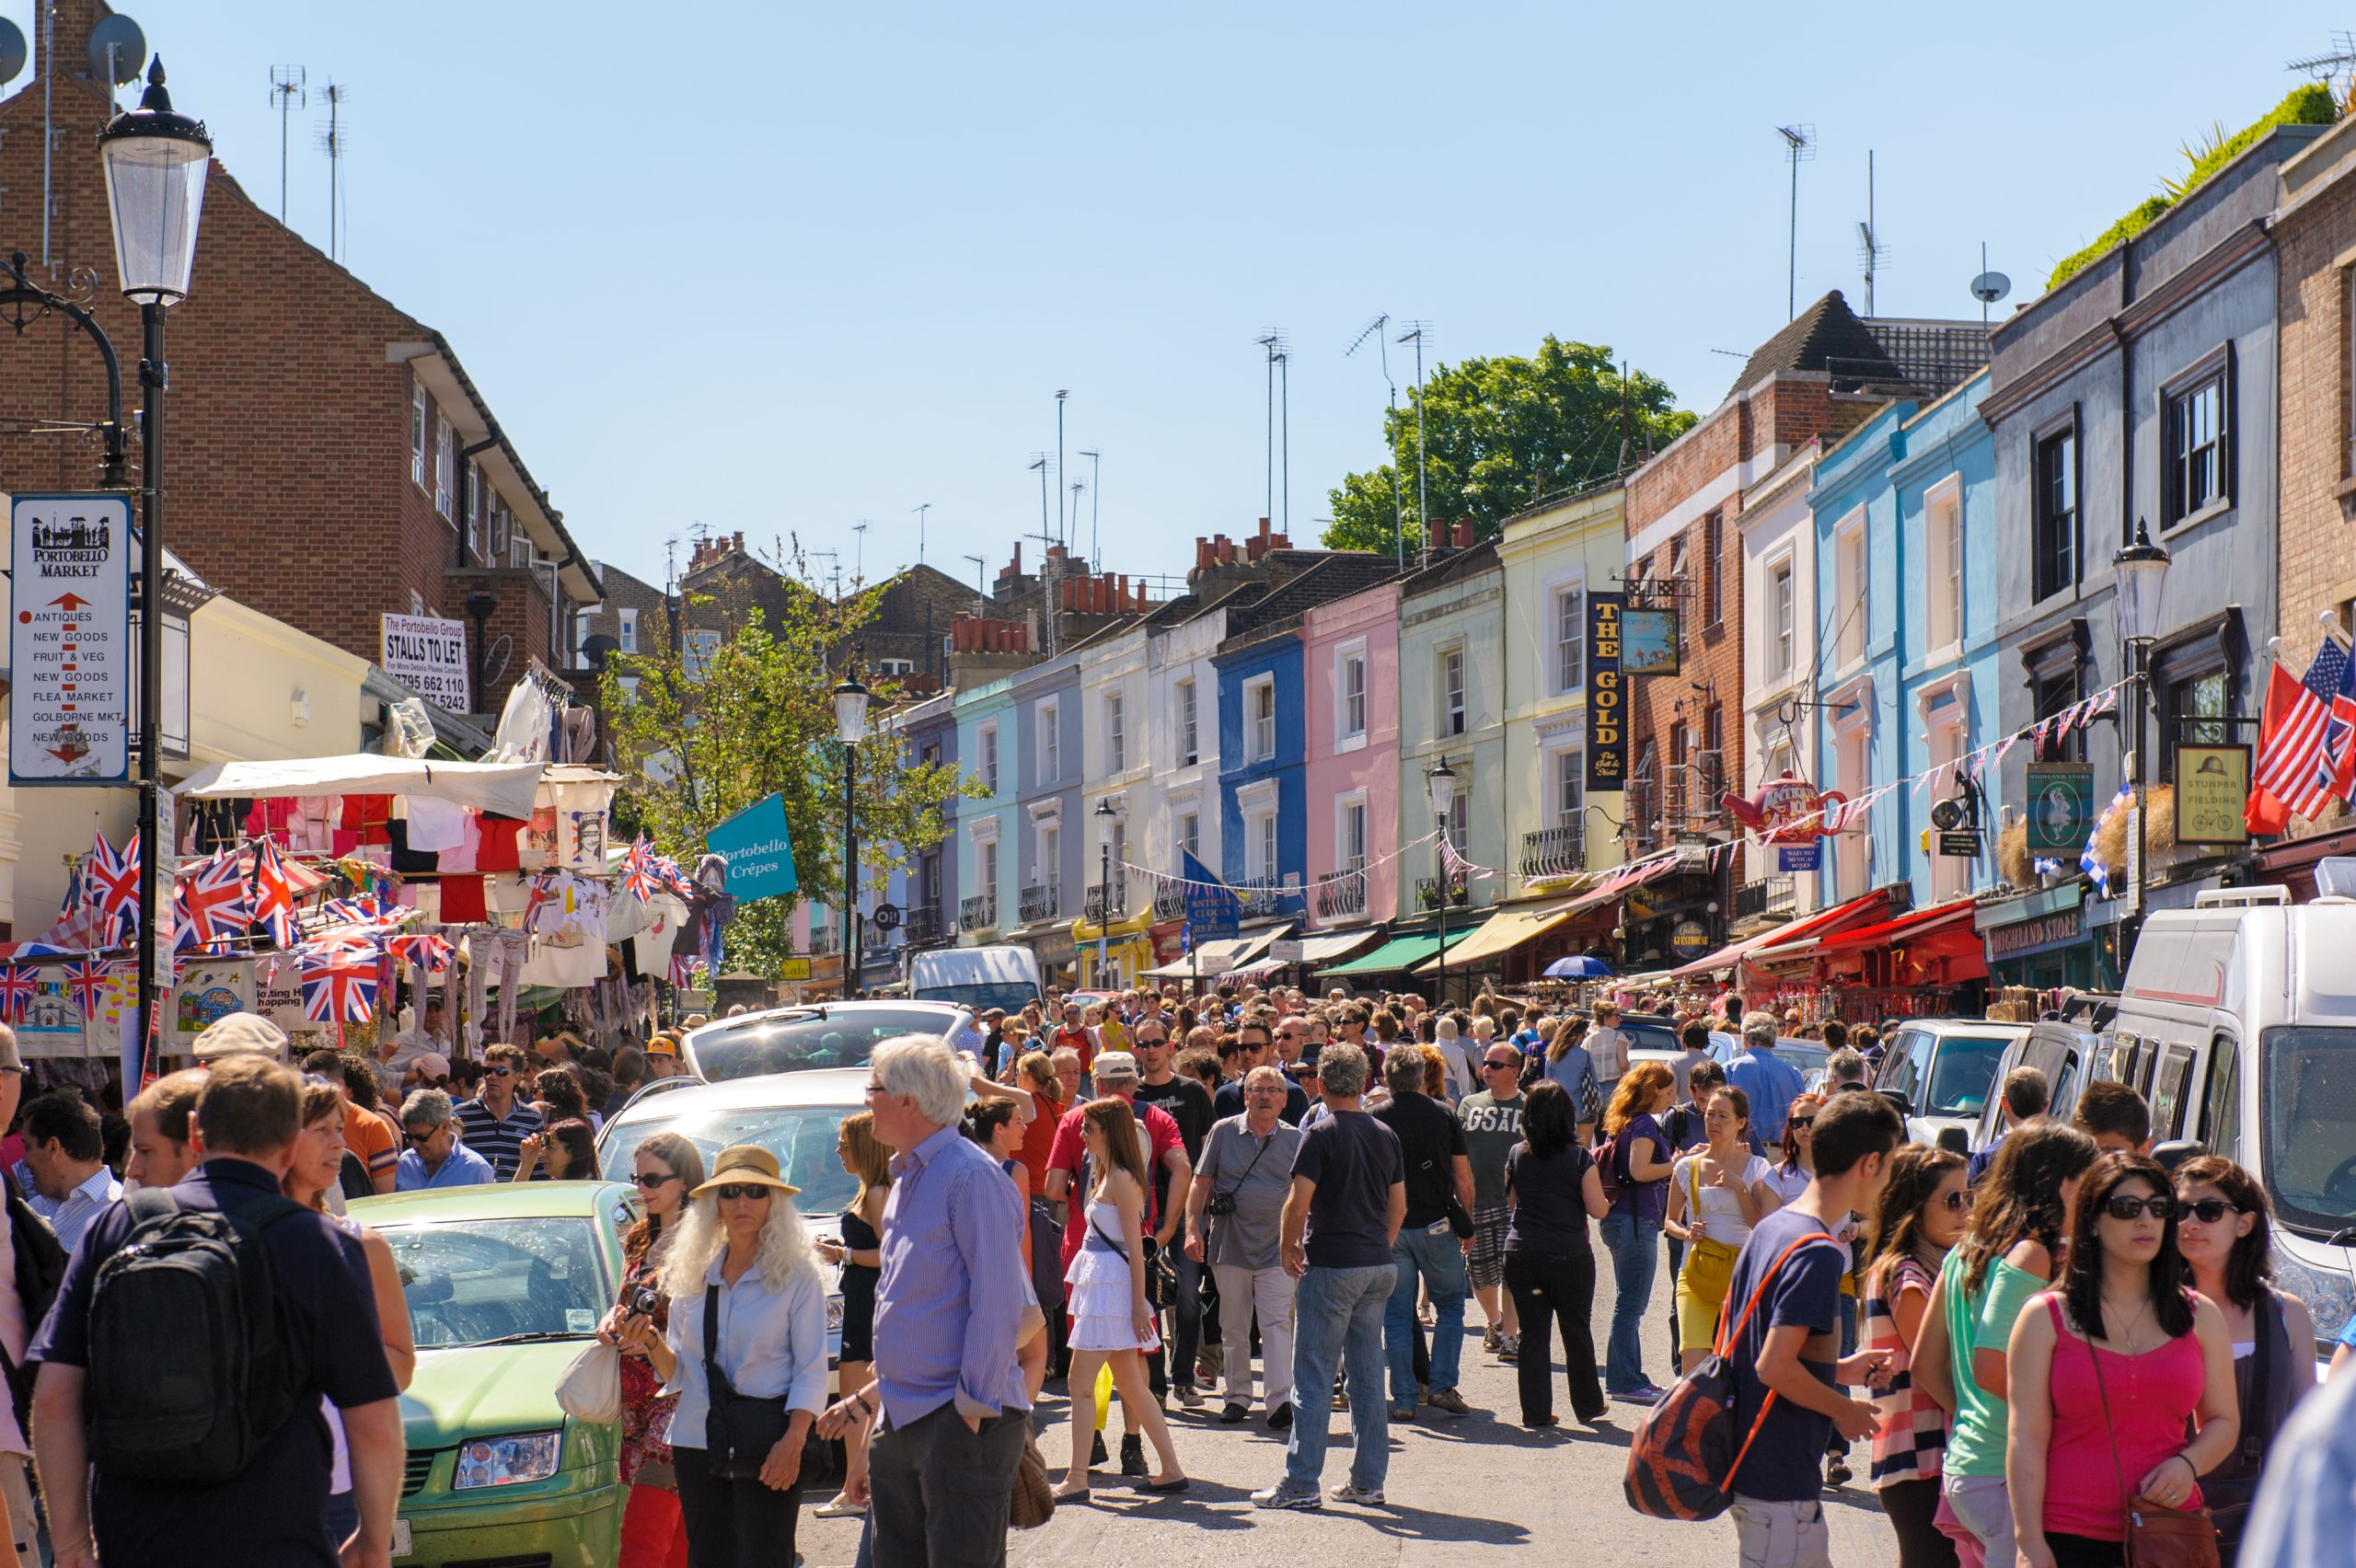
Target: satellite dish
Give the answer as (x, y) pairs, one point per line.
(12, 50)
(1990, 287)
(129, 51)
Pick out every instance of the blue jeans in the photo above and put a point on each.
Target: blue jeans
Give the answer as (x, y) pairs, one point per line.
(1634, 1246)
(1337, 1316)
(1438, 1260)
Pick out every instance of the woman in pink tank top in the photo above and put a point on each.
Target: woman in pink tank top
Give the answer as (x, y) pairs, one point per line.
(2108, 1371)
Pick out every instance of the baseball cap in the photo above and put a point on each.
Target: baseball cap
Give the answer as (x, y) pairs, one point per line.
(1114, 1067)
(663, 1045)
(241, 1034)
(432, 1064)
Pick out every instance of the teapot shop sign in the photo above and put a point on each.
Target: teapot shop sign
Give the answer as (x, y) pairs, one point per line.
(1786, 810)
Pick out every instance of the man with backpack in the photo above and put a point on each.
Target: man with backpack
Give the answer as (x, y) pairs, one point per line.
(1783, 1357)
(209, 1444)
(37, 1263)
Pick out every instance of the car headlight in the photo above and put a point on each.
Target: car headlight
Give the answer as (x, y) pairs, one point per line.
(508, 1461)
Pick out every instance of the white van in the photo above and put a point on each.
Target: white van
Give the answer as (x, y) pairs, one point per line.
(2237, 1022)
(975, 977)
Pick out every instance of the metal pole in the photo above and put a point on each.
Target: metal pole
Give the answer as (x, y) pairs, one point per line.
(1423, 501)
(1272, 433)
(850, 874)
(1285, 374)
(1398, 507)
(1062, 537)
(1441, 817)
(2143, 722)
(154, 377)
(1103, 904)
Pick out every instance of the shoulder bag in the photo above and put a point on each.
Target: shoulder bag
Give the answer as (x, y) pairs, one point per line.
(1160, 1274)
(591, 1388)
(740, 1430)
(2157, 1538)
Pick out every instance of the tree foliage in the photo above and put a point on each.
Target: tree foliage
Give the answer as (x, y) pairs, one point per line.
(756, 717)
(1501, 432)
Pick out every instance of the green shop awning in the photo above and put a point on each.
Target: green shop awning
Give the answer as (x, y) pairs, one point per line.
(1399, 953)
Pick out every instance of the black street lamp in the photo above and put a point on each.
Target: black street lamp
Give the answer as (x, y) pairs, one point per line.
(1104, 889)
(2142, 573)
(850, 728)
(1439, 788)
(156, 162)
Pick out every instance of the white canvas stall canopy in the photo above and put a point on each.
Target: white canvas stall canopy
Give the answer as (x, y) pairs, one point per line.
(505, 789)
(1214, 958)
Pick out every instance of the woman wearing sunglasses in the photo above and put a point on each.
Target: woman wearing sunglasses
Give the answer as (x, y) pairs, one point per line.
(860, 1253)
(748, 1299)
(1921, 1216)
(2223, 1229)
(665, 1167)
(2108, 1371)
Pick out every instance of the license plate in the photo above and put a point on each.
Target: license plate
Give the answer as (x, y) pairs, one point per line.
(401, 1545)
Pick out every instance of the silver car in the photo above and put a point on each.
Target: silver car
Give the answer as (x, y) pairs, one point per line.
(813, 1036)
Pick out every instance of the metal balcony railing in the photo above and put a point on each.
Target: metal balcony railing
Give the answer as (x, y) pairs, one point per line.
(1259, 898)
(978, 913)
(1554, 852)
(1041, 903)
(1644, 804)
(825, 939)
(1428, 891)
(1343, 893)
(923, 926)
(1120, 903)
(1767, 895)
(1169, 901)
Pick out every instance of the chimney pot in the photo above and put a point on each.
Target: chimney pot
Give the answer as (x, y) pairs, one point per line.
(1202, 552)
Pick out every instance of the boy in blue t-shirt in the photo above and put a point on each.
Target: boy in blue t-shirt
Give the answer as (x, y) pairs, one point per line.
(1790, 1346)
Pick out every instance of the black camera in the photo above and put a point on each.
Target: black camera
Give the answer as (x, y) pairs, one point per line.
(1222, 1203)
(641, 1301)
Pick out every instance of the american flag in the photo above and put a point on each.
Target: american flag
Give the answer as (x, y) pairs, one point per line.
(2305, 760)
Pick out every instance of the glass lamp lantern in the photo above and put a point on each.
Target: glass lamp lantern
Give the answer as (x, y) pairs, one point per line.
(1439, 785)
(850, 712)
(156, 162)
(2142, 569)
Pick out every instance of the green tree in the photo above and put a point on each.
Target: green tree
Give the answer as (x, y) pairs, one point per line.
(753, 717)
(1499, 434)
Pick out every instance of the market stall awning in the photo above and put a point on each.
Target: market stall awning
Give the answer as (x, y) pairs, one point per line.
(1856, 912)
(1400, 953)
(1334, 946)
(1955, 915)
(505, 789)
(1503, 933)
(1620, 882)
(1216, 958)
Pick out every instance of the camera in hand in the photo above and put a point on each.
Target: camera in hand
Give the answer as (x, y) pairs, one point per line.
(642, 1300)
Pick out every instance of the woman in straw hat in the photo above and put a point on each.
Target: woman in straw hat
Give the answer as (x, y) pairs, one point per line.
(743, 1262)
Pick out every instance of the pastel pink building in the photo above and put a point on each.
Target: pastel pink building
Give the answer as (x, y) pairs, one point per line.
(1349, 675)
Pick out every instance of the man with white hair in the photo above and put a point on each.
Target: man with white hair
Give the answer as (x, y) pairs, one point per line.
(956, 1413)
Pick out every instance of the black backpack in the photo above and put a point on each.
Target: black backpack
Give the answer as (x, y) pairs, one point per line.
(187, 1369)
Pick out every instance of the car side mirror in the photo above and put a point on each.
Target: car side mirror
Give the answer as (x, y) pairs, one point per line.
(1955, 1140)
(1898, 1097)
(2175, 1152)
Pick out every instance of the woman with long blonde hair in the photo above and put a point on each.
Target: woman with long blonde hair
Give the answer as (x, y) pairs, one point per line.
(860, 1254)
(666, 1168)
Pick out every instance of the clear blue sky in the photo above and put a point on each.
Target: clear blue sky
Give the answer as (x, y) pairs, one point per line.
(780, 268)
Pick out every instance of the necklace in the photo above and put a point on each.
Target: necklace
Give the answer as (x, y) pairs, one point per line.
(2133, 1345)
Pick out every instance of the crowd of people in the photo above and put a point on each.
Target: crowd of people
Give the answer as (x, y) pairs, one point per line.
(1280, 1206)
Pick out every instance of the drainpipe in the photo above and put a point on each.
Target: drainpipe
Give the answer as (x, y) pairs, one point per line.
(466, 459)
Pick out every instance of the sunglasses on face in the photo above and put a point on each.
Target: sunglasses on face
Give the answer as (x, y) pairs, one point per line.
(1801, 1122)
(2209, 1211)
(734, 1189)
(1500, 1066)
(502, 1071)
(650, 1180)
(419, 1137)
(1956, 1202)
(2120, 1206)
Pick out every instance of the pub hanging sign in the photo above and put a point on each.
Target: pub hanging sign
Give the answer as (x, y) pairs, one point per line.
(1607, 698)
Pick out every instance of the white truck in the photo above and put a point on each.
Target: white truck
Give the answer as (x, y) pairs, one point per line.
(978, 978)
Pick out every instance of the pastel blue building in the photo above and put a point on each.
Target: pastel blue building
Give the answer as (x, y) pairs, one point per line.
(924, 886)
(984, 843)
(1904, 510)
(1048, 835)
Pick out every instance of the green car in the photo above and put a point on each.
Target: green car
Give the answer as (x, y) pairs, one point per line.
(506, 1283)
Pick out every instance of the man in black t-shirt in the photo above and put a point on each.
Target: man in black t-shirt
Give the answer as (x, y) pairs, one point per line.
(1427, 1250)
(1189, 1105)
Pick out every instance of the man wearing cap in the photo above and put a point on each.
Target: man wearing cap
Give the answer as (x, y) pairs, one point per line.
(954, 1406)
(429, 1034)
(663, 1056)
(240, 1033)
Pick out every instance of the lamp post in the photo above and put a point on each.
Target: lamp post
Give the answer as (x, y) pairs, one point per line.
(2142, 573)
(850, 728)
(1104, 886)
(1439, 788)
(156, 160)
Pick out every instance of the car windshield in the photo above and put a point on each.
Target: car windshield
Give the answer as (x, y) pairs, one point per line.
(1961, 1073)
(797, 1042)
(1651, 1037)
(2307, 1100)
(1009, 996)
(802, 1136)
(500, 1281)
(1807, 1057)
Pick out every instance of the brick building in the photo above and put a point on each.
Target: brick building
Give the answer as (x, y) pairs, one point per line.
(907, 641)
(329, 459)
(637, 616)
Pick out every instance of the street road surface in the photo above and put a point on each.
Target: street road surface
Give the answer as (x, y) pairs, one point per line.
(1461, 1488)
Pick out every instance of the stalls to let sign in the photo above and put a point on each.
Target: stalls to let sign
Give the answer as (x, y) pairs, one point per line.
(428, 656)
(1607, 698)
(70, 650)
(2211, 786)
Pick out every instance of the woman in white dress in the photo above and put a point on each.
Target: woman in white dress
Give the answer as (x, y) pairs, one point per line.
(1110, 1320)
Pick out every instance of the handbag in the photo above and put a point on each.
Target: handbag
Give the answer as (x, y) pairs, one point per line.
(1032, 1502)
(2230, 1497)
(1160, 1274)
(2157, 1538)
(591, 1388)
(740, 1429)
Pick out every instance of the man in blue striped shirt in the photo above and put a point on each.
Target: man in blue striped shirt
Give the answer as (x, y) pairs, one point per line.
(496, 1124)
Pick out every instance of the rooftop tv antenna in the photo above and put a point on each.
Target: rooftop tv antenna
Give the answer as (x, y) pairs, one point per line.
(859, 559)
(1869, 246)
(1063, 536)
(1989, 287)
(1076, 486)
(1095, 507)
(1799, 147)
(2327, 69)
(288, 92)
(981, 588)
(1279, 373)
(117, 49)
(920, 511)
(1382, 347)
(1418, 333)
(335, 141)
(1046, 549)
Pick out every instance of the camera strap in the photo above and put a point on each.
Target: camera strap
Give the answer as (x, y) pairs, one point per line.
(1229, 1193)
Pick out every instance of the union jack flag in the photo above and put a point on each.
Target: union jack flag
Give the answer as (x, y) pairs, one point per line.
(339, 982)
(2307, 759)
(638, 878)
(112, 887)
(17, 990)
(274, 912)
(85, 981)
(423, 948)
(683, 970)
(212, 904)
